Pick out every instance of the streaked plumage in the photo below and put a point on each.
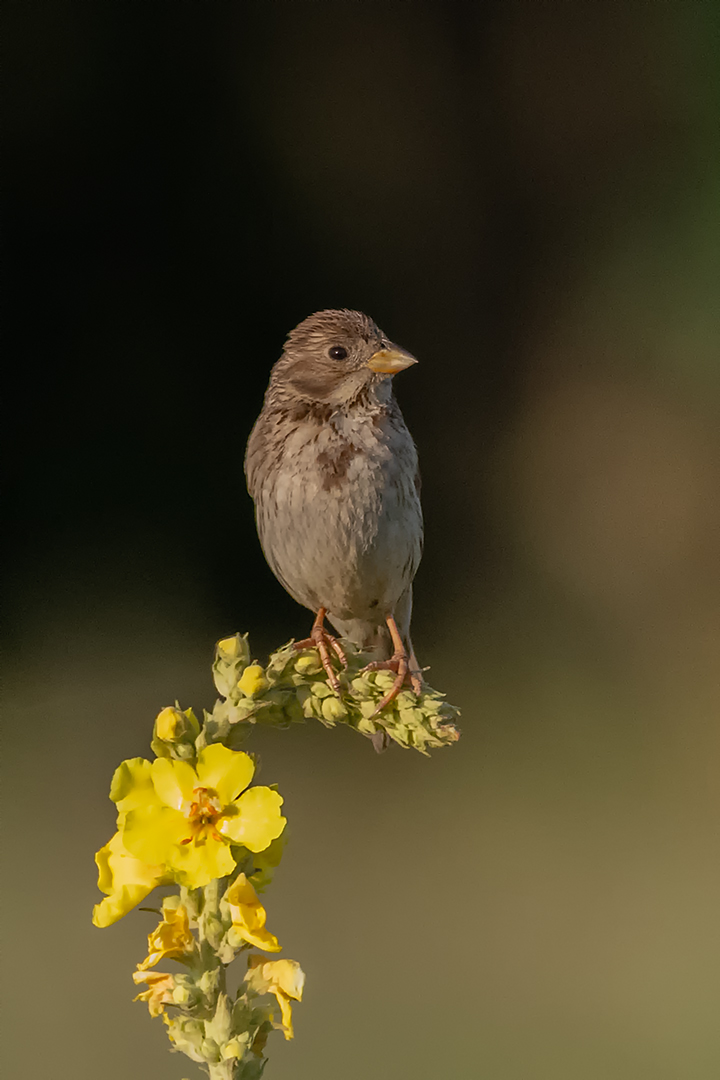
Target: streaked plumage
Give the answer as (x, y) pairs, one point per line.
(333, 471)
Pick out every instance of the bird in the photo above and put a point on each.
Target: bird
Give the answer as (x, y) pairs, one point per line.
(333, 472)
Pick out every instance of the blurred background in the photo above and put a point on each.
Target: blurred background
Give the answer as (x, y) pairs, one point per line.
(526, 197)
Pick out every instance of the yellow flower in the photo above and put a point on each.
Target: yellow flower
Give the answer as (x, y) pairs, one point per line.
(186, 818)
(253, 681)
(171, 938)
(283, 978)
(159, 991)
(248, 917)
(125, 879)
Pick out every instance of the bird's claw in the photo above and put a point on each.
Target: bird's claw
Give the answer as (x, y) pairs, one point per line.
(400, 664)
(320, 639)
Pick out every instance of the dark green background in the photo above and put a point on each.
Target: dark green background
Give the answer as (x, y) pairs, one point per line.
(526, 196)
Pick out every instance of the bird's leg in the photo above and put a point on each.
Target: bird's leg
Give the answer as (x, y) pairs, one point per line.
(399, 662)
(320, 639)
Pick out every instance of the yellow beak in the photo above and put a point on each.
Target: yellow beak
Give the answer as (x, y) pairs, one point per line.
(390, 361)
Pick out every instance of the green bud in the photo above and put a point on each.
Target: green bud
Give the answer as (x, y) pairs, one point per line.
(235, 939)
(280, 661)
(232, 655)
(384, 680)
(411, 717)
(190, 899)
(186, 1035)
(308, 664)
(293, 709)
(218, 1029)
(233, 648)
(174, 734)
(400, 733)
(321, 689)
(333, 710)
(208, 981)
(210, 1051)
(310, 706)
(213, 928)
(180, 995)
(236, 1047)
(362, 686)
(241, 710)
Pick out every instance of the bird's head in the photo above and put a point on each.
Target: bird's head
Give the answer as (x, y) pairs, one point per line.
(333, 356)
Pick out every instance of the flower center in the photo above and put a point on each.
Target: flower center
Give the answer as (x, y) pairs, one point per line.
(204, 813)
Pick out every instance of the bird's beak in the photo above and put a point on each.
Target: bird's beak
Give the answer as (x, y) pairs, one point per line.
(390, 361)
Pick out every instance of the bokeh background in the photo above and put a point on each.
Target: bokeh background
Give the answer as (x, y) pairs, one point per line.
(526, 196)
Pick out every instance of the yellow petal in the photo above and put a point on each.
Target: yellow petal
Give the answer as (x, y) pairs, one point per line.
(174, 781)
(131, 784)
(261, 939)
(151, 833)
(254, 819)
(242, 892)
(248, 916)
(288, 976)
(159, 992)
(171, 937)
(127, 881)
(283, 978)
(113, 907)
(286, 1012)
(227, 771)
(118, 867)
(196, 865)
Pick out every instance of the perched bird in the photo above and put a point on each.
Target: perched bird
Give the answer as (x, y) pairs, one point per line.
(333, 471)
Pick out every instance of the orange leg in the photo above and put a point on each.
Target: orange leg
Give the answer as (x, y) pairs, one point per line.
(399, 662)
(320, 639)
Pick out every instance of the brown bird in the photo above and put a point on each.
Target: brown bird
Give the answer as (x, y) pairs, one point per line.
(333, 471)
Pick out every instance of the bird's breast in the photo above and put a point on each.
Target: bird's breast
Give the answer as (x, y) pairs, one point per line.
(339, 514)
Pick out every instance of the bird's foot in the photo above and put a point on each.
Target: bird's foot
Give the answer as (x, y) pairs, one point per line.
(399, 662)
(321, 640)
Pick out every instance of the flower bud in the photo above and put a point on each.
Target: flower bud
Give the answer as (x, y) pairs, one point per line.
(210, 1051)
(309, 664)
(232, 648)
(235, 939)
(181, 995)
(362, 686)
(235, 1048)
(333, 710)
(253, 681)
(232, 654)
(187, 1035)
(174, 733)
(321, 689)
(168, 723)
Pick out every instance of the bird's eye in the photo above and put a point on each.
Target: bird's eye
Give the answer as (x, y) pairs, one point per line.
(337, 352)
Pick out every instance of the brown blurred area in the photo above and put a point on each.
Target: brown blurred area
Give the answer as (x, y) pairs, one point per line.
(526, 197)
